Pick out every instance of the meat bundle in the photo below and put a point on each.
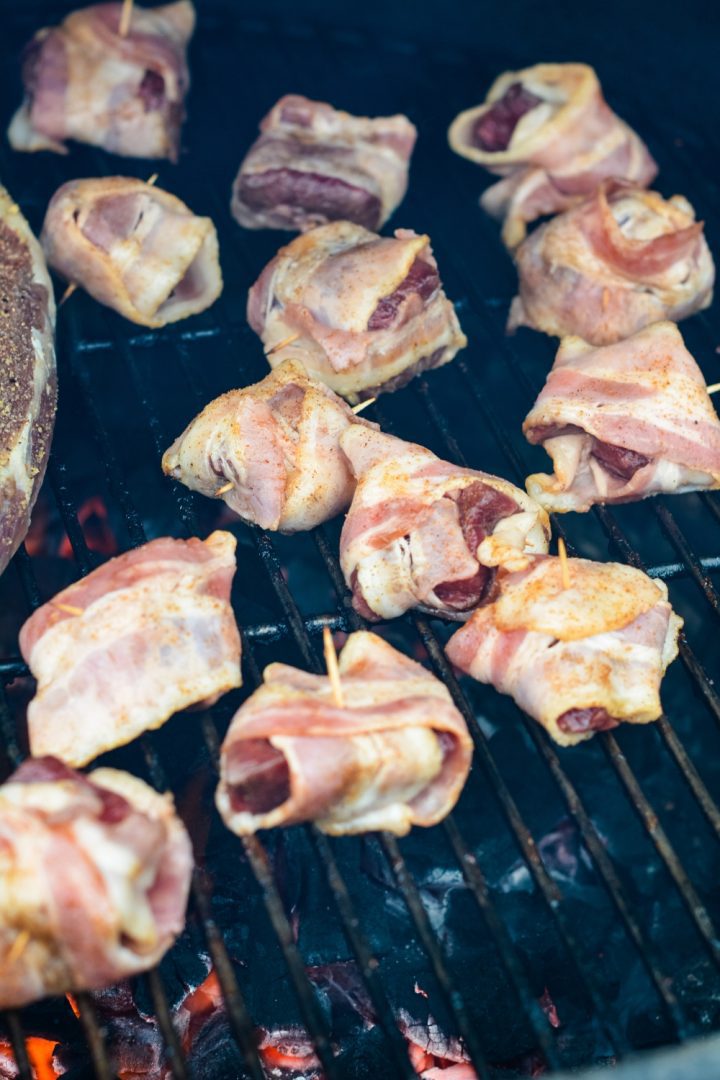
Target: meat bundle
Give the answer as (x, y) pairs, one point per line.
(142, 637)
(422, 532)
(549, 133)
(364, 312)
(83, 80)
(313, 164)
(580, 648)
(393, 753)
(94, 878)
(624, 421)
(134, 247)
(28, 385)
(271, 451)
(616, 263)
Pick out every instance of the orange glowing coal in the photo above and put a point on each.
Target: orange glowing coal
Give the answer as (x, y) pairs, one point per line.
(280, 1060)
(206, 997)
(40, 1052)
(73, 1005)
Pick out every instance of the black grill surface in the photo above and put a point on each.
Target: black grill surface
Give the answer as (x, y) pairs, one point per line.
(566, 914)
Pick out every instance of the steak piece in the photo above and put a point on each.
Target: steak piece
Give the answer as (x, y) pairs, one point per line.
(28, 386)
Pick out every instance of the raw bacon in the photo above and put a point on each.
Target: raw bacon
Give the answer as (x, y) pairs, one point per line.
(144, 636)
(133, 247)
(84, 81)
(363, 313)
(395, 754)
(624, 421)
(313, 164)
(28, 383)
(422, 532)
(95, 876)
(278, 444)
(578, 658)
(549, 133)
(605, 269)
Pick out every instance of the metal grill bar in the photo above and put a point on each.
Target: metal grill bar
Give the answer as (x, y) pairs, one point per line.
(17, 1041)
(696, 909)
(311, 658)
(467, 862)
(253, 849)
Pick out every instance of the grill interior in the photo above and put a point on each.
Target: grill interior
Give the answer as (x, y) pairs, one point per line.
(583, 879)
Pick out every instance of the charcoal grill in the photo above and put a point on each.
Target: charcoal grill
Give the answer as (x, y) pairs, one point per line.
(636, 812)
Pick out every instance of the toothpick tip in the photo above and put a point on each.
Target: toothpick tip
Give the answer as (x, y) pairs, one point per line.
(331, 662)
(281, 344)
(68, 293)
(363, 405)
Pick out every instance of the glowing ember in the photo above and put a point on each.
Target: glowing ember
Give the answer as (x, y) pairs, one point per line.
(548, 1006)
(73, 1005)
(40, 1052)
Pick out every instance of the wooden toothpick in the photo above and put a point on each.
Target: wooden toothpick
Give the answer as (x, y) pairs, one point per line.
(281, 344)
(331, 662)
(363, 405)
(68, 293)
(18, 947)
(125, 17)
(70, 609)
(564, 564)
(224, 489)
(152, 179)
(713, 388)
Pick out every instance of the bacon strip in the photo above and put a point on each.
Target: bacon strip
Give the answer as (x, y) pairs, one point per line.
(577, 658)
(394, 755)
(641, 258)
(28, 383)
(96, 872)
(313, 164)
(548, 131)
(156, 635)
(277, 444)
(624, 421)
(134, 247)
(612, 265)
(84, 81)
(364, 313)
(421, 532)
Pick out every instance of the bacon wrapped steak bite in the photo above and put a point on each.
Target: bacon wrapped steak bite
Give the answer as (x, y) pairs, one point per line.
(363, 313)
(548, 131)
(580, 658)
(94, 878)
(616, 263)
(313, 164)
(422, 532)
(28, 384)
(395, 754)
(84, 81)
(144, 636)
(133, 247)
(624, 421)
(278, 444)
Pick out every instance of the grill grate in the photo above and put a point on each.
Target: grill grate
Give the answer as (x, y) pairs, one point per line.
(469, 414)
